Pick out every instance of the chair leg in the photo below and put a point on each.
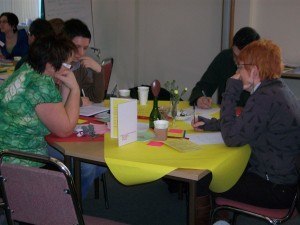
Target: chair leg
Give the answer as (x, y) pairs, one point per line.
(234, 218)
(105, 191)
(96, 187)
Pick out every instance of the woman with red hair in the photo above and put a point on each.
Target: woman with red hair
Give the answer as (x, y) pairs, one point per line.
(269, 123)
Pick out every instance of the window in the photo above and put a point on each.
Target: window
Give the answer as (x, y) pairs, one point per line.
(26, 10)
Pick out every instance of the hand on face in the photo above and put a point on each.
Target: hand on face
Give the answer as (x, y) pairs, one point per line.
(88, 62)
(67, 78)
(204, 102)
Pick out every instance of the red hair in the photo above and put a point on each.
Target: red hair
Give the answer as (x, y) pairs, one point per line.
(266, 56)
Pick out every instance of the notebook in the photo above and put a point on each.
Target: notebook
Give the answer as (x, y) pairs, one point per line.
(92, 109)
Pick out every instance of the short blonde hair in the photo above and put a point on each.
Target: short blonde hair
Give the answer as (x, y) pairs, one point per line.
(266, 56)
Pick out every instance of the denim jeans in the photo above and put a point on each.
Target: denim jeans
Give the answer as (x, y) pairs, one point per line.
(89, 172)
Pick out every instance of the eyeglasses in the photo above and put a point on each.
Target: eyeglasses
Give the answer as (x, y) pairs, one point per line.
(241, 66)
(67, 65)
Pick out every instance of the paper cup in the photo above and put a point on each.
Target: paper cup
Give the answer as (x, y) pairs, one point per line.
(143, 95)
(124, 93)
(161, 129)
(161, 124)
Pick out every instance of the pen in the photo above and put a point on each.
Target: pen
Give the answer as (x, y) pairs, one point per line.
(83, 94)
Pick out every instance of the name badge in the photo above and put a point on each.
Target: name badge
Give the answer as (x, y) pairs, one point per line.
(1, 44)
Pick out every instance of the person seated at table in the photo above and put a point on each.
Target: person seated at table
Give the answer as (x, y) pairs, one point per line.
(87, 71)
(39, 28)
(269, 123)
(221, 68)
(13, 42)
(31, 104)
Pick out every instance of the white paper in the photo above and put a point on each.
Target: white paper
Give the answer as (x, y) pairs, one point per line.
(203, 138)
(127, 122)
(92, 109)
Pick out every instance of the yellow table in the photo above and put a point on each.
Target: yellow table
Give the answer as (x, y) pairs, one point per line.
(153, 163)
(6, 69)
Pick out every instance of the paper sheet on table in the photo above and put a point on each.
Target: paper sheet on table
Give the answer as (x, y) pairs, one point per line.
(208, 113)
(139, 162)
(92, 109)
(202, 138)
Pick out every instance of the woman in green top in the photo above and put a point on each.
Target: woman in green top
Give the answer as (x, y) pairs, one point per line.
(31, 106)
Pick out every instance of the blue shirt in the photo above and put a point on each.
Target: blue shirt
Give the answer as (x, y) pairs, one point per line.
(21, 47)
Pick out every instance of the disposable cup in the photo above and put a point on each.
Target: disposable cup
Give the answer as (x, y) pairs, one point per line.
(124, 93)
(161, 129)
(143, 95)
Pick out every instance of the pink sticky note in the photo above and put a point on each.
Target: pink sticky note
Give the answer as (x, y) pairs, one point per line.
(176, 131)
(155, 143)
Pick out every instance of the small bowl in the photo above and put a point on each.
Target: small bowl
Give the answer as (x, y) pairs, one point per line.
(124, 93)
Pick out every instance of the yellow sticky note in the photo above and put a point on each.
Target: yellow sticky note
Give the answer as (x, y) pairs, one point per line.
(81, 121)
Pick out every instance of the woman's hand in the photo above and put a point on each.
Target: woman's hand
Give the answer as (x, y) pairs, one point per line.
(197, 124)
(204, 102)
(88, 62)
(86, 101)
(68, 79)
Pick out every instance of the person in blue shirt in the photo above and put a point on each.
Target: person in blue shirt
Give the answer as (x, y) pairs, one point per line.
(13, 42)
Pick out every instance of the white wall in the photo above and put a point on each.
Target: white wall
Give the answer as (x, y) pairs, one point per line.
(277, 20)
(158, 39)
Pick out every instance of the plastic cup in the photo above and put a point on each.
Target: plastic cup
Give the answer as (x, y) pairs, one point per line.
(161, 129)
(124, 93)
(143, 95)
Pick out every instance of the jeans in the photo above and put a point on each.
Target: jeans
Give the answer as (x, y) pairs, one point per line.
(89, 172)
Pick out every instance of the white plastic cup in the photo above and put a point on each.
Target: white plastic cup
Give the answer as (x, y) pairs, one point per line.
(161, 129)
(143, 95)
(124, 93)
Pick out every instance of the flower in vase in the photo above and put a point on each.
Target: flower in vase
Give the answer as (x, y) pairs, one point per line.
(174, 96)
(173, 89)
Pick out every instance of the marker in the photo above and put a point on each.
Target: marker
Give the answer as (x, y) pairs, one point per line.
(83, 92)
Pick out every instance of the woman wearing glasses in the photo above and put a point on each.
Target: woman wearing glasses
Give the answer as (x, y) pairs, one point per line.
(31, 104)
(13, 42)
(269, 123)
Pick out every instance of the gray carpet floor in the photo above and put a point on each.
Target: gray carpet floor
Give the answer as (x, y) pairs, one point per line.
(147, 204)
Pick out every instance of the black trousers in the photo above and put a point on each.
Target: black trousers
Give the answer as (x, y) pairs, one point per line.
(255, 190)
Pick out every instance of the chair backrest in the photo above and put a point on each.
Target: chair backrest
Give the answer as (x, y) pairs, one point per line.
(39, 196)
(163, 94)
(107, 65)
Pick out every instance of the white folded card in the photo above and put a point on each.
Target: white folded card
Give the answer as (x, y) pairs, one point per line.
(92, 109)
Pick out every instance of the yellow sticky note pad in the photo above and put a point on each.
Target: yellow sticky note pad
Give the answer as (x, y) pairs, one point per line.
(81, 121)
(182, 145)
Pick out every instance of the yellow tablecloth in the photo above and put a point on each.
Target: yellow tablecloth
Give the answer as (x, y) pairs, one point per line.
(138, 162)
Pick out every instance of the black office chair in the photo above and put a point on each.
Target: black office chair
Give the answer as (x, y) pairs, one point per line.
(163, 94)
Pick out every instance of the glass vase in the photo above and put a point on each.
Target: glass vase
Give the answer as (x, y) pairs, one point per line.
(173, 109)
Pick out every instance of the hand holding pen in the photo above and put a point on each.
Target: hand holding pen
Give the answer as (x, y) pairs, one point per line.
(204, 102)
(85, 100)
